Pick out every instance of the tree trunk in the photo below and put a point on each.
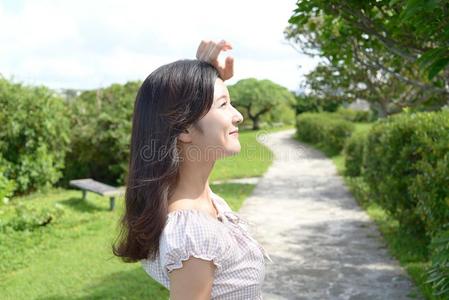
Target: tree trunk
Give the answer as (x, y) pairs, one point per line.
(256, 125)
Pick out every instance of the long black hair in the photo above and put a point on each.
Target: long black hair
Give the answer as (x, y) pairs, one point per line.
(171, 98)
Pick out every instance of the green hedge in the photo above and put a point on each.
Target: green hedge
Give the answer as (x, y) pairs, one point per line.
(328, 131)
(406, 167)
(34, 137)
(353, 152)
(438, 273)
(355, 115)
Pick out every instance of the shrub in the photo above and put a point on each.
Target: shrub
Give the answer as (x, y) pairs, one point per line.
(326, 130)
(26, 218)
(430, 187)
(101, 124)
(355, 115)
(438, 273)
(34, 137)
(279, 114)
(405, 166)
(353, 150)
(7, 186)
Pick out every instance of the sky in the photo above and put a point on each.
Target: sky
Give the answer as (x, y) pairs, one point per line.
(91, 44)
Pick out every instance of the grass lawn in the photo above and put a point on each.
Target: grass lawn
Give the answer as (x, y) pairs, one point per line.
(71, 258)
(252, 161)
(411, 253)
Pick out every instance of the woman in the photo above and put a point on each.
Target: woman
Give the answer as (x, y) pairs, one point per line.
(186, 236)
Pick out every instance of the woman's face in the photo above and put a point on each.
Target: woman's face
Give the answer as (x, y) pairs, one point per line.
(211, 136)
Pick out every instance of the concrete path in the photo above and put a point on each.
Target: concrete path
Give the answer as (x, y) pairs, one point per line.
(323, 246)
(249, 180)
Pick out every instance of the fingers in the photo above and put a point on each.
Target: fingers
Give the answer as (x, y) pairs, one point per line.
(200, 51)
(229, 63)
(215, 50)
(209, 50)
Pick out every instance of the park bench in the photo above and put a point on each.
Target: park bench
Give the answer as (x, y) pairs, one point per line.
(97, 187)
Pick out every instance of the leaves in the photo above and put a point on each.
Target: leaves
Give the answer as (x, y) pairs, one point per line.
(397, 48)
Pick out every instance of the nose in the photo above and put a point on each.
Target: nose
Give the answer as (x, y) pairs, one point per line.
(237, 117)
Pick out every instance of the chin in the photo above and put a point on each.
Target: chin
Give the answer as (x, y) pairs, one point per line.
(231, 152)
(235, 151)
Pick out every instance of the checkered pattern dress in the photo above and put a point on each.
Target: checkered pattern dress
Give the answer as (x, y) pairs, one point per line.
(226, 241)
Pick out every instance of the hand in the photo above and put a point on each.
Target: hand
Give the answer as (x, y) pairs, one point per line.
(209, 50)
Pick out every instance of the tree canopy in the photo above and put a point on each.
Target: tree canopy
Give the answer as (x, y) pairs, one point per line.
(398, 49)
(260, 97)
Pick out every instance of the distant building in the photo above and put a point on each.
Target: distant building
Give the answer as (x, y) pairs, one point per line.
(359, 104)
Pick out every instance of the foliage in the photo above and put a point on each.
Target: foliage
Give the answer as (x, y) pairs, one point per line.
(280, 114)
(34, 137)
(391, 53)
(101, 128)
(7, 186)
(355, 115)
(405, 165)
(353, 151)
(26, 218)
(439, 271)
(260, 97)
(327, 130)
(310, 103)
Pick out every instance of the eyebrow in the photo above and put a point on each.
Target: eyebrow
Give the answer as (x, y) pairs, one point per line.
(223, 96)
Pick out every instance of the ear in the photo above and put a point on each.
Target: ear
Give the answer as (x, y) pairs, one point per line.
(185, 136)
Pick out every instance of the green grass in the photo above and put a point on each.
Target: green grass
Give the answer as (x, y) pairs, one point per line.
(71, 258)
(253, 159)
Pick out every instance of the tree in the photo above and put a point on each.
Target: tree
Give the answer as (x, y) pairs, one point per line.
(398, 40)
(101, 127)
(259, 97)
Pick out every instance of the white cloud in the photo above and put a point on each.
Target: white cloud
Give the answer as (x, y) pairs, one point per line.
(86, 44)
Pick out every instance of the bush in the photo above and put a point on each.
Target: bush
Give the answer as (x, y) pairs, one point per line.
(101, 124)
(438, 274)
(279, 114)
(7, 186)
(430, 187)
(308, 103)
(405, 166)
(326, 130)
(31, 218)
(355, 115)
(34, 137)
(353, 152)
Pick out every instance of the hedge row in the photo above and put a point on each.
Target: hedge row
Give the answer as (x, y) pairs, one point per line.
(405, 161)
(328, 131)
(355, 115)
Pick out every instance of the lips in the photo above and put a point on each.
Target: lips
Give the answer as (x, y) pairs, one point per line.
(235, 131)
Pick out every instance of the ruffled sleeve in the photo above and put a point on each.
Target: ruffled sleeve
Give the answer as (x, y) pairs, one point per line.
(192, 233)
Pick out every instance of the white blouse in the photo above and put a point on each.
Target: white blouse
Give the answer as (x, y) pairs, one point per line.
(226, 241)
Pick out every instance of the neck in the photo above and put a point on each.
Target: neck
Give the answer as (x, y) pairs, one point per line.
(194, 180)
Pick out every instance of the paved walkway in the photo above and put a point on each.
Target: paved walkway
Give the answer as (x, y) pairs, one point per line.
(323, 246)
